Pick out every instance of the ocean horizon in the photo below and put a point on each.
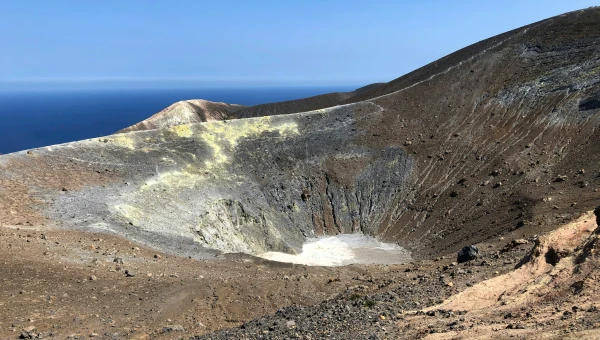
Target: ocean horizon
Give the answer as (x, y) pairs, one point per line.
(35, 118)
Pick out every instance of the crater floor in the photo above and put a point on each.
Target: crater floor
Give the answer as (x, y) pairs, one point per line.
(343, 249)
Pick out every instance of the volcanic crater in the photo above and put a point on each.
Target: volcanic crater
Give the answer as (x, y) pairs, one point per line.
(499, 140)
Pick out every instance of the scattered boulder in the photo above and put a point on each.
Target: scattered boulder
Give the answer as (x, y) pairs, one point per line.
(468, 253)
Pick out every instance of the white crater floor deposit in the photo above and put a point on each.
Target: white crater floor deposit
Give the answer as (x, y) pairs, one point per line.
(344, 249)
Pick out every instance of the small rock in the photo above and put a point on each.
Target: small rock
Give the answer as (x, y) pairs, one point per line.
(174, 328)
(118, 260)
(560, 178)
(514, 243)
(156, 256)
(29, 333)
(516, 326)
(291, 324)
(93, 278)
(129, 273)
(305, 195)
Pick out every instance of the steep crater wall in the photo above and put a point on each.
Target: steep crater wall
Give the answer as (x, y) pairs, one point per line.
(251, 185)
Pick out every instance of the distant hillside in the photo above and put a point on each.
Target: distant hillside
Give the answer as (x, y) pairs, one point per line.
(198, 110)
(186, 112)
(302, 105)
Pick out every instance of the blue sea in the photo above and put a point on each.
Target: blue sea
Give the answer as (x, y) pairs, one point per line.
(30, 119)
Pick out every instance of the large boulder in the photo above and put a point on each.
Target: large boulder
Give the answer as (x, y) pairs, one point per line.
(468, 253)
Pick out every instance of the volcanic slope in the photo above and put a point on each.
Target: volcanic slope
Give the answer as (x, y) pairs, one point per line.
(186, 112)
(304, 104)
(199, 110)
(499, 137)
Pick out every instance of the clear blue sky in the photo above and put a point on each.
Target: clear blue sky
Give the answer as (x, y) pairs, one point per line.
(240, 43)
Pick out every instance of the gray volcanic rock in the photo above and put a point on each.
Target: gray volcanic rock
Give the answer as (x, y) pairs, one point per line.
(186, 112)
(467, 253)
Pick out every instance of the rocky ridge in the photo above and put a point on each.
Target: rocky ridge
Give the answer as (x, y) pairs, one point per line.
(186, 112)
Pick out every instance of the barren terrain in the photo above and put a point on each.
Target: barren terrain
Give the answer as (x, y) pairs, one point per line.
(152, 233)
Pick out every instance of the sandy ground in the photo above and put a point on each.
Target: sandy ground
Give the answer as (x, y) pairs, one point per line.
(542, 288)
(67, 283)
